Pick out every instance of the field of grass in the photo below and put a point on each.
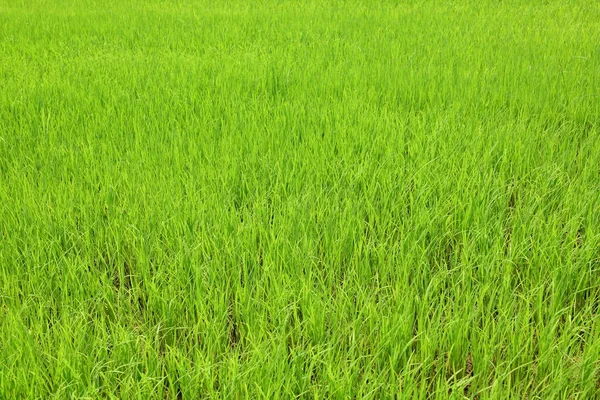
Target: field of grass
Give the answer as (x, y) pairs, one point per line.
(312, 199)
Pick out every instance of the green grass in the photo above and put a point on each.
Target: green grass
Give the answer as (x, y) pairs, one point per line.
(313, 199)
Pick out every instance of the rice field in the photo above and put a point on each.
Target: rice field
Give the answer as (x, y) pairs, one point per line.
(299, 199)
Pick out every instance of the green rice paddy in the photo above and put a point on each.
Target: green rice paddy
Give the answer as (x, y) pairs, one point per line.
(299, 199)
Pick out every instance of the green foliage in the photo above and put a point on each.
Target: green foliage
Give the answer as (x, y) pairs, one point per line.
(313, 199)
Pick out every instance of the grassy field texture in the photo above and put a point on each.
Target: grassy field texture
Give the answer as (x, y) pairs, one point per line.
(313, 199)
